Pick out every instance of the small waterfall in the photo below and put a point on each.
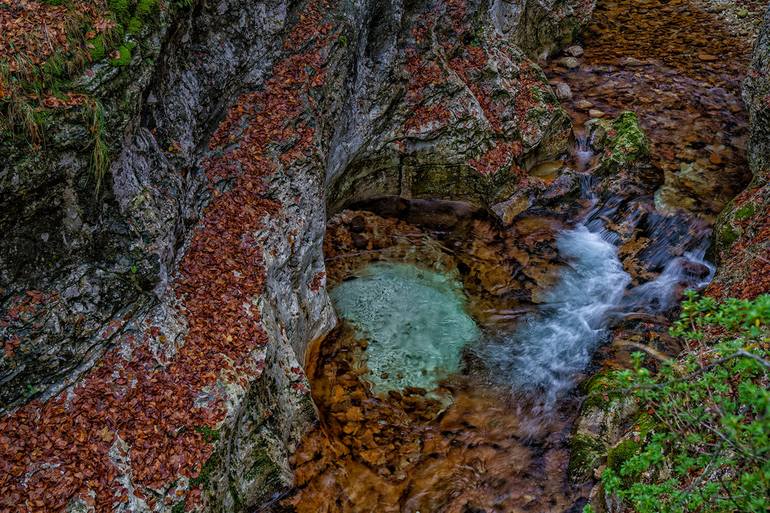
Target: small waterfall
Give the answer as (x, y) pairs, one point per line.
(660, 294)
(544, 355)
(582, 153)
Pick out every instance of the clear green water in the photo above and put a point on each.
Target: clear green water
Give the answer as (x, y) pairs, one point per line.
(415, 322)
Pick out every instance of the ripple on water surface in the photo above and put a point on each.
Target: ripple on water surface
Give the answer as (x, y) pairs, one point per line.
(414, 320)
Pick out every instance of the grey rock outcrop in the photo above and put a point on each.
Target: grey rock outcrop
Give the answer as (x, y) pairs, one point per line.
(414, 100)
(756, 95)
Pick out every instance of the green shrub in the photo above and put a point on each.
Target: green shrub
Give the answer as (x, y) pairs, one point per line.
(709, 447)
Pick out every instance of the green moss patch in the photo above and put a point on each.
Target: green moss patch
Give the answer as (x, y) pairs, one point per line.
(745, 212)
(585, 455)
(209, 434)
(727, 236)
(203, 479)
(621, 453)
(625, 143)
(124, 55)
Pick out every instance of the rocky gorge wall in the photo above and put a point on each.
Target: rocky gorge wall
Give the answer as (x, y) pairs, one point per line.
(743, 234)
(154, 332)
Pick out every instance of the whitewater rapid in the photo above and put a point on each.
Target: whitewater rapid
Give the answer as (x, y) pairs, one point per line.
(546, 353)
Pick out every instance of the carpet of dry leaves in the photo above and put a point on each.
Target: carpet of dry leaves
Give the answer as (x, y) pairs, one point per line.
(143, 408)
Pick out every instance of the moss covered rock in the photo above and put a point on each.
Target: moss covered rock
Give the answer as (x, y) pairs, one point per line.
(621, 141)
(586, 453)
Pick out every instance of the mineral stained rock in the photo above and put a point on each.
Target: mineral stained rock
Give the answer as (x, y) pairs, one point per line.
(154, 327)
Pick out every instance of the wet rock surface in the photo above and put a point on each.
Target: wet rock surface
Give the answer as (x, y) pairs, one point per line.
(685, 86)
(455, 110)
(165, 367)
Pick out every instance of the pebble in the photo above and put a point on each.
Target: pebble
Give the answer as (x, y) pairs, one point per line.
(583, 105)
(596, 113)
(707, 57)
(563, 91)
(631, 61)
(569, 62)
(574, 51)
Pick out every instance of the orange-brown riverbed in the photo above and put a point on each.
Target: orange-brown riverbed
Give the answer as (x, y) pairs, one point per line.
(676, 65)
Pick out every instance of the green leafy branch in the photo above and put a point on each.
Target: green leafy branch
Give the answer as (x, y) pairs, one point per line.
(708, 447)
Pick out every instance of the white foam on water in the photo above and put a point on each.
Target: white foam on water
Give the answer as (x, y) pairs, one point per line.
(543, 356)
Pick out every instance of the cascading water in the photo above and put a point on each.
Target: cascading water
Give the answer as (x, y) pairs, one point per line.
(543, 356)
(582, 152)
(545, 353)
(660, 294)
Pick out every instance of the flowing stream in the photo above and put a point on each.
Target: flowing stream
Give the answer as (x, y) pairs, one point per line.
(550, 348)
(450, 385)
(546, 353)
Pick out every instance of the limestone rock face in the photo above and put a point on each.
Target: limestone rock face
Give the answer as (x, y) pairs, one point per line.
(540, 27)
(154, 328)
(742, 241)
(450, 108)
(98, 258)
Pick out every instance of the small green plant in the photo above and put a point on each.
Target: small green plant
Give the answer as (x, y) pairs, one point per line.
(100, 155)
(708, 446)
(21, 113)
(211, 435)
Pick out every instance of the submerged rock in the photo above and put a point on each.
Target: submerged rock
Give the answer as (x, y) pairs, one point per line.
(425, 343)
(563, 92)
(574, 50)
(569, 62)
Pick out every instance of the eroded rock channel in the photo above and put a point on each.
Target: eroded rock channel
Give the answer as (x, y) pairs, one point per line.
(365, 256)
(596, 252)
(471, 418)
